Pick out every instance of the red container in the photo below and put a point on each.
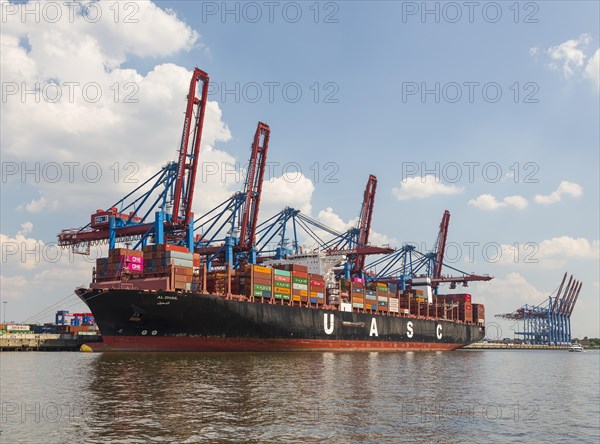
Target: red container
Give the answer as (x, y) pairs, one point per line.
(300, 274)
(317, 283)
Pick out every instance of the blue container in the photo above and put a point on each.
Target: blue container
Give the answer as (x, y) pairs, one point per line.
(266, 294)
(313, 300)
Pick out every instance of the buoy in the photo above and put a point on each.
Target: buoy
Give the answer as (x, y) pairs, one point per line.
(86, 348)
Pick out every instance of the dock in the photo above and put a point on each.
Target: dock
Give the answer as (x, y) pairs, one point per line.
(511, 346)
(44, 342)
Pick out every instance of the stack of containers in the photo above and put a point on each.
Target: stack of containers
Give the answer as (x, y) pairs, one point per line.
(197, 277)
(404, 302)
(478, 313)
(262, 281)
(419, 295)
(120, 259)
(357, 292)
(316, 289)
(393, 305)
(102, 268)
(333, 294)
(282, 284)
(382, 296)
(370, 299)
(181, 261)
(164, 259)
(216, 282)
(299, 280)
(465, 311)
(240, 284)
(300, 285)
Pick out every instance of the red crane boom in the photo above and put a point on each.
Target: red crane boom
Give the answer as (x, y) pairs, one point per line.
(190, 153)
(364, 224)
(441, 245)
(253, 187)
(558, 293)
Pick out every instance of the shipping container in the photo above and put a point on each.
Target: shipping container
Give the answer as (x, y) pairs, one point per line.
(283, 273)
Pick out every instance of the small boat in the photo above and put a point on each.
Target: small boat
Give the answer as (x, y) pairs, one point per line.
(576, 348)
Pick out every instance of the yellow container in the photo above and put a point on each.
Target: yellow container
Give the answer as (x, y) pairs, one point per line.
(259, 269)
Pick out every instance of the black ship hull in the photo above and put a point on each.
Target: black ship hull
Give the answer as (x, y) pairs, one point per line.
(136, 320)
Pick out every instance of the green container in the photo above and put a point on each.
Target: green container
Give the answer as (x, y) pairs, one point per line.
(285, 297)
(261, 287)
(282, 272)
(297, 280)
(282, 284)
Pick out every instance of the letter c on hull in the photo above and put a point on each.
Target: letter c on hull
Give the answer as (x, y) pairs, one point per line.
(328, 323)
(438, 331)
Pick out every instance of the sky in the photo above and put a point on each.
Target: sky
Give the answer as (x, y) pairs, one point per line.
(487, 109)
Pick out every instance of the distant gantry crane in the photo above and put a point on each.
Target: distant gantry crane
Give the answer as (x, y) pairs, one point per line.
(550, 321)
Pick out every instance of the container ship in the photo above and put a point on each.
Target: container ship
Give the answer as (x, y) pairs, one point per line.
(214, 284)
(175, 304)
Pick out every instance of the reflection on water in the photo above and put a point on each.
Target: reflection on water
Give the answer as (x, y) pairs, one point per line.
(506, 396)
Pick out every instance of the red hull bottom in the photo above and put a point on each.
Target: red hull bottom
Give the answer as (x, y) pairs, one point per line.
(200, 344)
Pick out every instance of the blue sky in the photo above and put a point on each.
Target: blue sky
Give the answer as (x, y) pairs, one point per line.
(360, 64)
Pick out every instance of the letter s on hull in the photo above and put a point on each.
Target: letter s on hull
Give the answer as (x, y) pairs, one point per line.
(328, 323)
(409, 329)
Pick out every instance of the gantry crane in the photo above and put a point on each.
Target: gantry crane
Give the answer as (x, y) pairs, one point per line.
(128, 219)
(550, 321)
(353, 243)
(228, 231)
(407, 263)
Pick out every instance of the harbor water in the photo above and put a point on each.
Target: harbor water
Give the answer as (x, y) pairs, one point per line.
(462, 396)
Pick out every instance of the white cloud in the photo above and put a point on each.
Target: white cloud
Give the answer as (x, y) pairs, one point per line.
(570, 54)
(571, 57)
(12, 287)
(569, 247)
(564, 188)
(26, 227)
(424, 187)
(592, 70)
(333, 220)
(489, 202)
(145, 132)
(39, 205)
(290, 190)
